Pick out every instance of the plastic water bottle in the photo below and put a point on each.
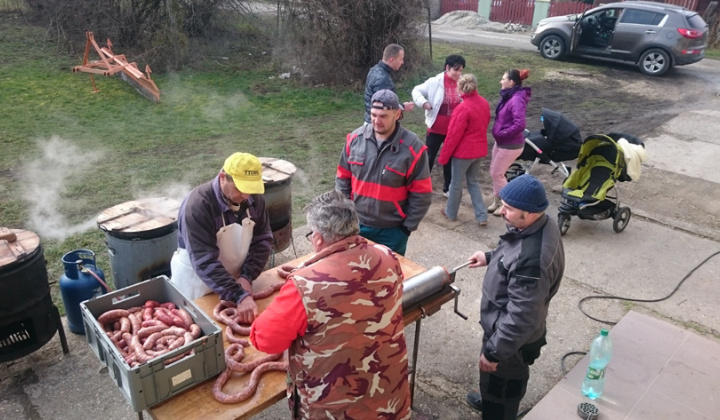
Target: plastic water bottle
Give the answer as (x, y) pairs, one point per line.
(601, 352)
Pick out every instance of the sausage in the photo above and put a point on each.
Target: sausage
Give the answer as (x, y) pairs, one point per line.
(145, 332)
(195, 330)
(147, 314)
(285, 270)
(238, 366)
(168, 305)
(153, 323)
(177, 343)
(249, 390)
(187, 319)
(231, 337)
(151, 304)
(112, 316)
(267, 292)
(135, 322)
(125, 324)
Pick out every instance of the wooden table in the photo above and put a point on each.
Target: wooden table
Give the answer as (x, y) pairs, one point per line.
(198, 402)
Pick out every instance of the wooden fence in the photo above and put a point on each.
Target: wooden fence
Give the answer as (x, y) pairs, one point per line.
(512, 11)
(447, 6)
(561, 8)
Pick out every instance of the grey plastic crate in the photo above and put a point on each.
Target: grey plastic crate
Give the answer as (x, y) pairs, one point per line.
(152, 382)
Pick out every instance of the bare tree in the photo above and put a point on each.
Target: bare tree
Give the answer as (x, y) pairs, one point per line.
(156, 29)
(337, 41)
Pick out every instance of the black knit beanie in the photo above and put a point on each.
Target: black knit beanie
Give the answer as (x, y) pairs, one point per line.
(525, 193)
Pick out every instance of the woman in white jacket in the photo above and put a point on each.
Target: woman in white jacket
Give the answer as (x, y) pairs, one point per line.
(438, 96)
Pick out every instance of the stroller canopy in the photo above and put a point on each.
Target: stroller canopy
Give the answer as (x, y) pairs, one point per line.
(563, 134)
(600, 164)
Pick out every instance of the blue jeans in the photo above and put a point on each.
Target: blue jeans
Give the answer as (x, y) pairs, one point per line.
(393, 238)
(468, 169)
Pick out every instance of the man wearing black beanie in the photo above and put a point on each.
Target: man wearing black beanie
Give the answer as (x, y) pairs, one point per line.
(523, 274)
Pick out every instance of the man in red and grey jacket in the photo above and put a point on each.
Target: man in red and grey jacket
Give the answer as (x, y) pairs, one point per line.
(384, 169)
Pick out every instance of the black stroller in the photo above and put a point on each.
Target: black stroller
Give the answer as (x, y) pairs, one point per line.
(558, 141)
(601, 163)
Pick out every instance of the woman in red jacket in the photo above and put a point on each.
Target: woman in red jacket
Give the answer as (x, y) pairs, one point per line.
(466, 143)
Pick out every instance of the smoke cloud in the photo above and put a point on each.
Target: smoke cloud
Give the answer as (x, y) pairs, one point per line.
(45, 180)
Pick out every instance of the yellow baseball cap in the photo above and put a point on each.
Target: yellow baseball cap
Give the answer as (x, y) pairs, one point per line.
(246, 172)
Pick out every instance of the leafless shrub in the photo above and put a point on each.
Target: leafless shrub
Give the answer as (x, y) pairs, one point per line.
(158, 30)
(337, 41)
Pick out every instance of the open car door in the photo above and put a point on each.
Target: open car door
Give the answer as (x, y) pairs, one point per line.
(577, 32)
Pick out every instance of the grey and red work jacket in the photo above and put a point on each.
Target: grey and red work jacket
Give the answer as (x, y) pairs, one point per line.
(390, 185)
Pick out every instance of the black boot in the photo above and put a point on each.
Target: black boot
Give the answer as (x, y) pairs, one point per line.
(475, 400)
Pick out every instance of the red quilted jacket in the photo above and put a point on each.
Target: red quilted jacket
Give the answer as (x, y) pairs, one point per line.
(467, 134)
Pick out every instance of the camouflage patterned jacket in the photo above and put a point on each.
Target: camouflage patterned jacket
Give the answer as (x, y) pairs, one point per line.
(352, 361)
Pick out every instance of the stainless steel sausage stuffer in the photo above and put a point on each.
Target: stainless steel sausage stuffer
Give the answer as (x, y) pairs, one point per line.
(423, 285)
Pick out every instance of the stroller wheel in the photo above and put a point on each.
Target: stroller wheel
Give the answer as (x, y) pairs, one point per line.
(621, 219)
(514, 171)
(563, 223)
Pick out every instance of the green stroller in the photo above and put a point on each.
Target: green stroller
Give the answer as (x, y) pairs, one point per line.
(590, 192)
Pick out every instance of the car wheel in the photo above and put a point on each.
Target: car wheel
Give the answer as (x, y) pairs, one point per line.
(563, 223)
(621, 219)
(654, 62)
(552, 47)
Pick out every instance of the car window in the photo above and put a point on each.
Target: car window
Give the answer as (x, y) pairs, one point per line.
(696, 21)
(641, 17)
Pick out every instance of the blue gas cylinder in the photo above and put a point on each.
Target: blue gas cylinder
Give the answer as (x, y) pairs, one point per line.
(79, 284)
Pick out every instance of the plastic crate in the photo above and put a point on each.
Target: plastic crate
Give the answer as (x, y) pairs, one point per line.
(152, 382)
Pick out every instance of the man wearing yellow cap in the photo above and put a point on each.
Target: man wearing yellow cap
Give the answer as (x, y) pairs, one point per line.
(224, 236)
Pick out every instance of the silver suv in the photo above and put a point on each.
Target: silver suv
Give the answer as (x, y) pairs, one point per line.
(653, 36)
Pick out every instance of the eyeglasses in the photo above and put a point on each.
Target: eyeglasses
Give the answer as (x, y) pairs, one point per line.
(308, 236)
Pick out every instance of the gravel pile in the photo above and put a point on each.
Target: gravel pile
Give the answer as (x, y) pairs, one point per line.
(471, 20)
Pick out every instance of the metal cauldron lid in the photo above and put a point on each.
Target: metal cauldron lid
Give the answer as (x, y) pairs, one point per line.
(18, 245)
(142, 215)
(276, 170)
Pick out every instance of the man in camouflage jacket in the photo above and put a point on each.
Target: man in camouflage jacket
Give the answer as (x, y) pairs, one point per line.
(340, 316)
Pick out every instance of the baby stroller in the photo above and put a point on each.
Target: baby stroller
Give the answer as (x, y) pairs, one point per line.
(558, 141)
(601, 163)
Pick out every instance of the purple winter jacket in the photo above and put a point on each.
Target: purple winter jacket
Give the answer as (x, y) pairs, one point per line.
(510, 117)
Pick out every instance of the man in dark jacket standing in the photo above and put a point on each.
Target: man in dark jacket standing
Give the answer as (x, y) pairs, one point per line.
(380, 76)
(523, 274)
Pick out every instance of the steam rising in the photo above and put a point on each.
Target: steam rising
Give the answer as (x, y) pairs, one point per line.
(174, 190)
(45, 180)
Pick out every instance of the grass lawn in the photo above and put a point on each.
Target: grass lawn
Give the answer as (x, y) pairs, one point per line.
(68, 153)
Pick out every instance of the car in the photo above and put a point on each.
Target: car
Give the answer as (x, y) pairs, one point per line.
(653, 36)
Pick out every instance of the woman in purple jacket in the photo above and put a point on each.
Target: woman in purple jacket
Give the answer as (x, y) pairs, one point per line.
(508, 130)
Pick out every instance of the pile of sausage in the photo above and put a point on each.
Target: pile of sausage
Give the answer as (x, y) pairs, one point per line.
(142, 333)
(226, 313)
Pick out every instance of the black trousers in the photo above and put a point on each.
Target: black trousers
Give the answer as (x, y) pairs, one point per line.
(503, 389)
(433, 142)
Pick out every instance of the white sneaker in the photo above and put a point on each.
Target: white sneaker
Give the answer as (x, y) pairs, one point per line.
(446, 194)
